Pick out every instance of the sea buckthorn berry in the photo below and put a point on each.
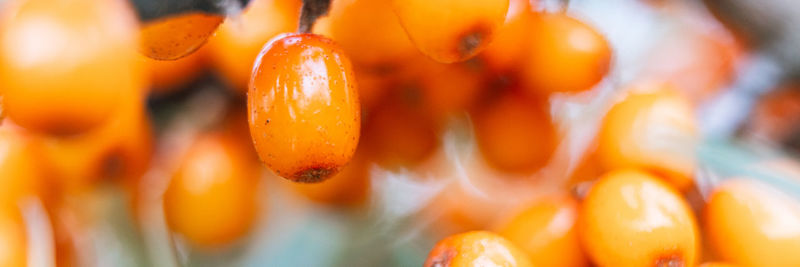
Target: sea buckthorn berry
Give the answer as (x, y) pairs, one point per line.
(177, 36)
(449, 89)
(168, 76)
(506, 51)
(631, 218)
(477, 248)
(716, 264)
(547, 232)
(238, 40)
(565, 55)
(399, 134)
(12, 237)
(652, 129)
(749, 223)
(63, 63)
(450, 31)
(212, 197)
(515, 134)
(348, 187)
(20, 171)
(369, 33)
(305, 116)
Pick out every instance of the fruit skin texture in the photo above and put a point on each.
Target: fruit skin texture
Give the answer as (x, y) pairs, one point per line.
(304, 111)
(565, 55)
(450, 30)
(515, 134)
(547, 232)
(749, 223)
(652, 129)
(177, 36)
(477, 248)
(238, 40)
(212, 197)
(73, 86)
(349, 187)
(631, 218)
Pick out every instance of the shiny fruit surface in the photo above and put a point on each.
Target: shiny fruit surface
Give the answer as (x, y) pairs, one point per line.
(304, 111)
(631, 218)
(653, 129)
(547, 231)
(748, 223)
(72, 86)
(565, 55)
(478, 248)
(177, 36)
(450, 31)
(212, 197)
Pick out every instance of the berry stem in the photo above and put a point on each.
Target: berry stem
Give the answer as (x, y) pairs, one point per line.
(312, 9)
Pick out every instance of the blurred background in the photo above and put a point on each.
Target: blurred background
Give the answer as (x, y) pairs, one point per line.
(125, 139)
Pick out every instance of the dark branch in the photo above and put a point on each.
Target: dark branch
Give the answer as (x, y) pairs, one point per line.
(312, 9)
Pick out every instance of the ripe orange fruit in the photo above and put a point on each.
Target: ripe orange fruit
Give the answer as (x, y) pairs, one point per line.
(515, 134)
(654, 130)
(450, 31)
(72, 86)
(397, 134)
(631, 218)
(477, 248)
(12, 237)
(348, 187)
(547, 232)
(166, 76)
(716, 264)
(20, 171)
(506, 51)
(212, 197)
(305, 116)
(751, 224)
(176, 36)
(448, 89)
(564, 55)
(238, 40)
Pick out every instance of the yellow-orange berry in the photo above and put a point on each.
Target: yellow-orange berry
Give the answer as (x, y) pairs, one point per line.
(177, 36)
(478, 248)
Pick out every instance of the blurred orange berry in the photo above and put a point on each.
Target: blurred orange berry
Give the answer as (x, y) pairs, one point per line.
(176, 36)
(652, 129)
(631, 218)
(168, 75)
(506, 51)
(448, 89)
(450, 31)
(547, 232)
(212, 197)
(716, 264)
(12, 237)
(304, 111)
(398, 133)
(564, 55)
(64, 64)
(515, 134)
(238, 41)
(478, 248)
(350, 186)
(751, 224)
(21, 174)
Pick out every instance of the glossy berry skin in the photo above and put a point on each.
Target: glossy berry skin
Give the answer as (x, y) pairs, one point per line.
(238, 40)
(515, 134)
(631, 218)
(653, 128)
(565, 55)
(450, 31)
(64, 64)
(304, 111)
(749, 223)
(212, 197)
(477, 248)
(547, 231)
(177, 36)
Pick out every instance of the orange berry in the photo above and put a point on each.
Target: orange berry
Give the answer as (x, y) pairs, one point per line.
(507, 49)
(477, 248)
(515, 134)
(348, 187)
(64, 64)
(305, 116)
(716, 264)
(176, 36)
(397, 134)
(368, 32)
(653, 130)
(20, 174)
(547, 232)
(12, 237)
(238, 41)
(564, 55)
(166, 76)
(751, 224)
(630, 218)
(450, 31)
(212, 197)
(448, 89)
